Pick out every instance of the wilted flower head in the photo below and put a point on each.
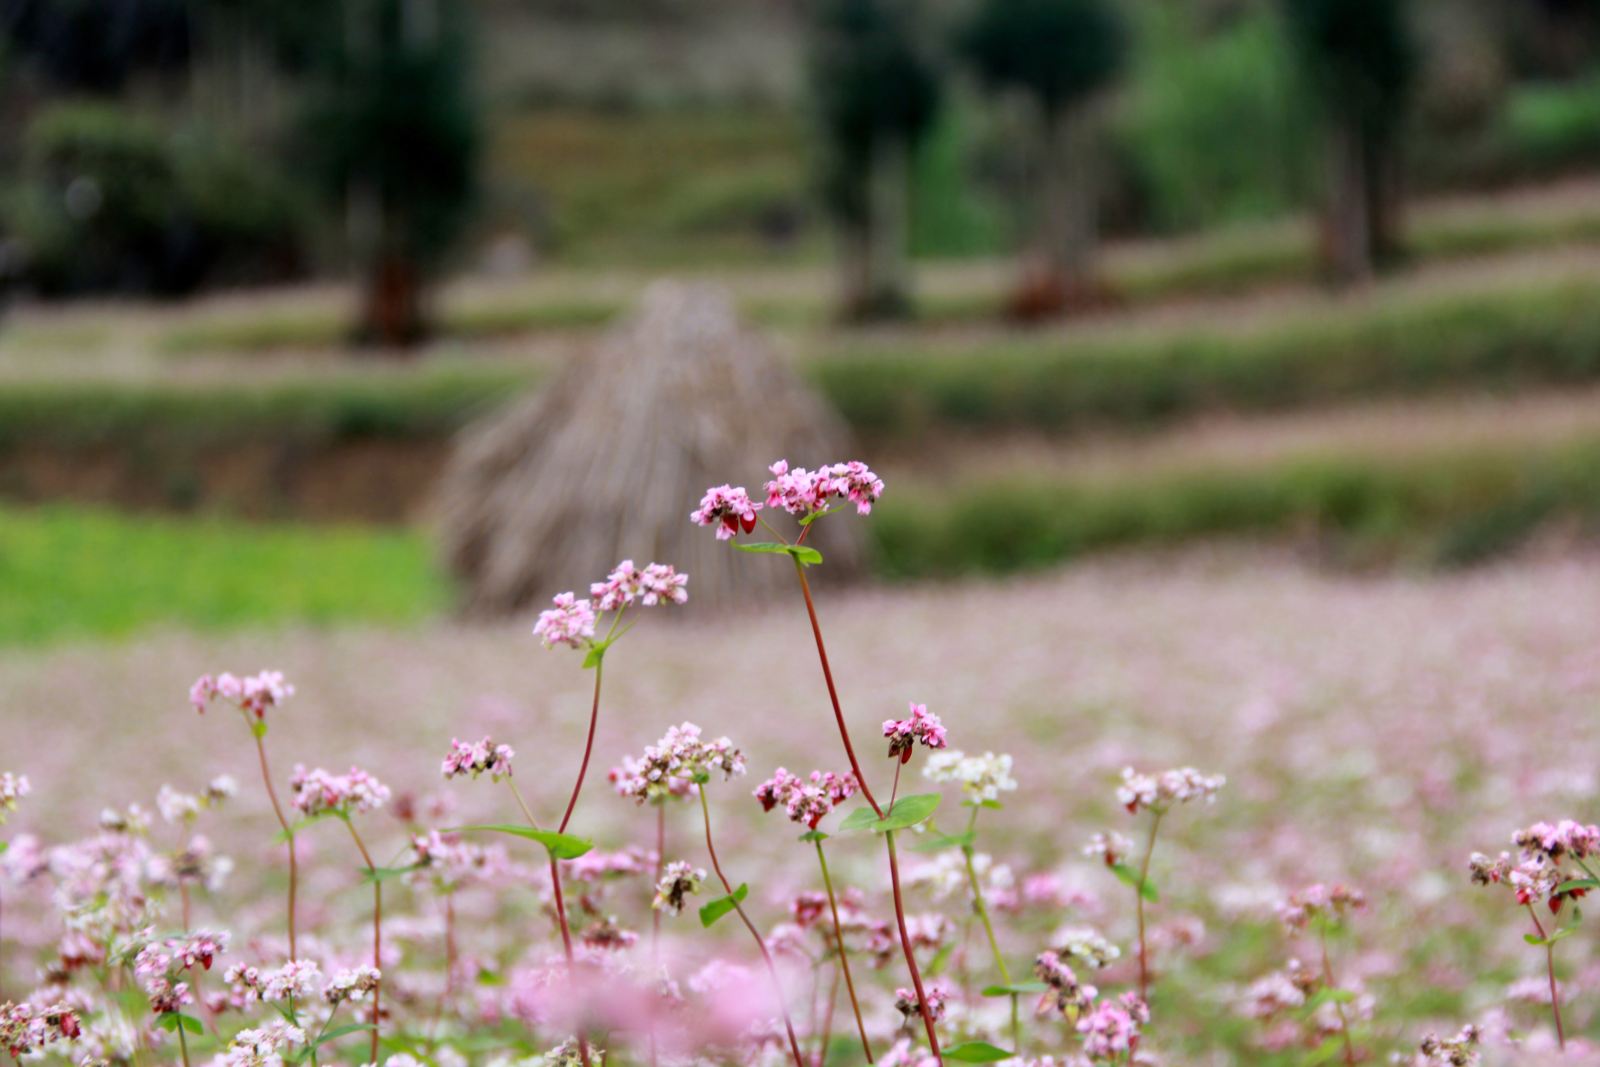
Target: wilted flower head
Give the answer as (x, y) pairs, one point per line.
(1458, 1051)
(485, 757)
(807, 800)
(254, 694)
(659, 583)
(905, 1002)
(352, 984)
(903, 734)
(680, 755)
(316, 791)
(13, 787)
(570, 622)
(981, 778)
(1159, 792)
(1066, 995)
(678, 881)
(727, 508)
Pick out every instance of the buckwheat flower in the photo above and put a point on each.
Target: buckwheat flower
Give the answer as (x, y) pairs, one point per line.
(485, 757)
(200, 948)
(566, 1054)
(135, 821)
(857, 484)
(678, 881)
(222, 787)
(1319, 903)
(570, 622)
(1066, 995)
(263, 1046)
(982, 778)
(317, 792)
(351, 984)
(1111, 1028)
(800, 492)
(1558, 840)
(13, 787)
(1112, 848)
(175, 806)
(906, 1003)
(295, 980)
(628, 778)
(1458, 1051)
(806, 800)
(680, 755)
(727, 508)
(1085, 945)
(904, 734)
(26, 1029)
(254, 694)
(661, 583)
(1160, 792)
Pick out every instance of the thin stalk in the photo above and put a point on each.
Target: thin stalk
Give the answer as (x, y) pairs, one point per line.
(588, 747)
(1327, 980)
(1144, 880)
(377, 936)
(844, 957)
(980, 906)
(911, 957)
(655, 922)
(288, 832)
(1550, 968)
(183, 1042)
(826, 1037)
(761, 942)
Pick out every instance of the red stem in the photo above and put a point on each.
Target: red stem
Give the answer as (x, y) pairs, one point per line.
(761, 942)
(655, 920)
(844, 959)
(1144, 879)
(1344, 1024)
(911, 957)
(833, 692)
(588, 749)
(288, 832)
(1550, 968)
(377, 938)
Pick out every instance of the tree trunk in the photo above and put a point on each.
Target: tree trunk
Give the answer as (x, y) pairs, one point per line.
(1059, 270)
(1347, 230)
(392, 315)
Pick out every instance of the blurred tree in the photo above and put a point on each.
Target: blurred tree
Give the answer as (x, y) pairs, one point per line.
(95, 46)
(392, 131)
(1059, 55)
(1360, 58)
(876, 93)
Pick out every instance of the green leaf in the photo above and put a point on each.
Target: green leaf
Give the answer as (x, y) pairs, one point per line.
(938, 842)
(341, 1031)
(716, 909)
(1130, 877)
(977, 1052)
(1328, 996)
(805, 554)
(1577, 883)
(259, 728)
(1559, 935)
(383, 874)
(1324, 1052)
(173, 1020)
(295, 827)
(907, 811)
(3, 846)
(941, 959)
(597, 652)
(561, 846)
(813, 835)
(1015, 989)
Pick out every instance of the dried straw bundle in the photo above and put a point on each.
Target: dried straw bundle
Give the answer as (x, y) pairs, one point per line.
(607, 461)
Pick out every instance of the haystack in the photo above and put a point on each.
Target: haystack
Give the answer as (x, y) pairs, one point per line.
(607, 461)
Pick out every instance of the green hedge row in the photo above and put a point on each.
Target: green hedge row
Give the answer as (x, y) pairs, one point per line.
(1440, 344)
(1449, 507)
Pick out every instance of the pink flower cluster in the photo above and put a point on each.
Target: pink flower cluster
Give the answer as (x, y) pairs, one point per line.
(1458, 1051)
(807, 801)
(727, 508)
(254, 694)
(1319, 903)
(905, 1002)
(1111, 1028)
(677, 882)
(1159, 792)
(26, 1029)
(903, 734)
(1066, 995)
(570, 622)
(1537, 873)
(13, 787)
(804, 493)
(680, 755)
(658, 583)
(159, 967)
(1110, 848)
(485, 757)
(317, 792)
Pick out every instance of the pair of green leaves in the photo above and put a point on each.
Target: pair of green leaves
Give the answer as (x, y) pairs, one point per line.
(172, 1020)
(716, 909)
(905, 813)
(560, 846)
(1128, 876)
(805, 555)
(301, 1055)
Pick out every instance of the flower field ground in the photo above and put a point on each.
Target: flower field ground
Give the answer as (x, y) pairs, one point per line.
(1374, 732)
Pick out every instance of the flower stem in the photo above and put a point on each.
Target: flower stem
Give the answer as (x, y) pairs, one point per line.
(1550, 968)
(980, 906)
(288, 832)
(377, 936)
(844, 958)
(833, 692)
(1327, 980)
(183, 1042)
(655, 922)
(761, 942)
(588, 748)
(911, 957)
(1144, 880)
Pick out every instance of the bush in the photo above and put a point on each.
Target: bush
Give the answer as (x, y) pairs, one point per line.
(112, 201)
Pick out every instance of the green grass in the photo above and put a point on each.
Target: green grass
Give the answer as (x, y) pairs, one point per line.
(1464, 341)
(1440, 508)
(74, 573)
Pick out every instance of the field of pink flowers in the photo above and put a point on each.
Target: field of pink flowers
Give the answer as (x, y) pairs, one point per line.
(1208, 809)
